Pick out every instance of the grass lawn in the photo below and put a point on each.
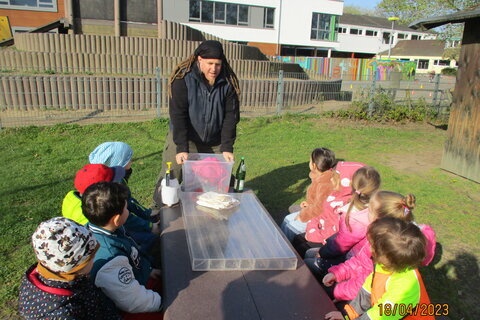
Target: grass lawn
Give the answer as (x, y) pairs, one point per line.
(39, 164)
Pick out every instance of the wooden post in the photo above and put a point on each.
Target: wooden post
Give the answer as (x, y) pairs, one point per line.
(116, 14)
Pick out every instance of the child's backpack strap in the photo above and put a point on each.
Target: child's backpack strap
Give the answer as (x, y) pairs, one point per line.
(33, 278)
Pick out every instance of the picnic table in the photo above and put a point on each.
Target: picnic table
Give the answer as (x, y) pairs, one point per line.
(238, 294)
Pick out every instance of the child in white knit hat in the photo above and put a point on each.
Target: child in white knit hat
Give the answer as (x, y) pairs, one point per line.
(58, 285)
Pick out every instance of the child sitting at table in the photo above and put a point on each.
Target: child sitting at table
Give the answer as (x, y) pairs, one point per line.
(322, 160)
(398, 249)
(142, 224)
(325, 224)
(58, 285)
(138, 228)
(352, 227)
(350, 275)
(121, 269)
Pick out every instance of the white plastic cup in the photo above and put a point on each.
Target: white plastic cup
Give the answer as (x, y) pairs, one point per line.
(170, 193)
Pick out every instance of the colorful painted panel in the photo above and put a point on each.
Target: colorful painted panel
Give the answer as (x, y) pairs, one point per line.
(352, 69)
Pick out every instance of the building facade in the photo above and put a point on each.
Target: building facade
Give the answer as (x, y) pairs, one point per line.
(275, 26)
(363, 36)
(25, 15)
(427, 54)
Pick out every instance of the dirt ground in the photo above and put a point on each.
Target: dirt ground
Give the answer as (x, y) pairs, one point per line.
(18, 118)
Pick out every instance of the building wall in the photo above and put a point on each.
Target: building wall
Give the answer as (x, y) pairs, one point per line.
(295, 20)
(266, 48)
(28, 19)
(371, 44)
(431, 60)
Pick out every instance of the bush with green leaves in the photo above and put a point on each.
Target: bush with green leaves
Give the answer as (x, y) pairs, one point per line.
(385, 109)
(449, 71)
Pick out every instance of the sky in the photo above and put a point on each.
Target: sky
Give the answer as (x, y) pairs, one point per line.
(368, 4)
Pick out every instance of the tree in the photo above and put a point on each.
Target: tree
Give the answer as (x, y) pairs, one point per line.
(411, 10)
(357, 10)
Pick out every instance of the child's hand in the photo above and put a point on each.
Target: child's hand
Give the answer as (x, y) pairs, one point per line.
(303, 204)
(156, 274)
(334, 315)
(329, 280)
(156, 228)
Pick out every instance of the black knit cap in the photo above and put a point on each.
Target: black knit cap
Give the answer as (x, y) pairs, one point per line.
(210, 49)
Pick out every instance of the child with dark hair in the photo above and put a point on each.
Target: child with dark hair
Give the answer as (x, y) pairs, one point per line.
(121, 268)
(58, 286)
(137, 227)
(398, 249)
(322, 160)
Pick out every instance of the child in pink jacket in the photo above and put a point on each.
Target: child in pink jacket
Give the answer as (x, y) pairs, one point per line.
(352, 227)
(322, 160)
(349, 276)
(326, 222)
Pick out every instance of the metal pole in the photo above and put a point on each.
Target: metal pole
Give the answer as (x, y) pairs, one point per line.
(390, 40)
(278, 51)
(159, 90)
(371, 105)
(435, 93)
(280, 91)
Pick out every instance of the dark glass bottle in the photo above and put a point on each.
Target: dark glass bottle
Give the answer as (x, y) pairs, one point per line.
(240, 176)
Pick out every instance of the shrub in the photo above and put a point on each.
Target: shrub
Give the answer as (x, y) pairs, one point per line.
(449, 71)
(385, 109)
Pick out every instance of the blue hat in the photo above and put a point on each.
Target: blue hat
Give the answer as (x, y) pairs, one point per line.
(112, 154)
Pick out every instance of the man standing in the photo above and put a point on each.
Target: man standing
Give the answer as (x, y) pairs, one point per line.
(204, 109)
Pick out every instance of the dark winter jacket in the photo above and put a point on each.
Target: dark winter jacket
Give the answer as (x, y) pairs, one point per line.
(41, 298)
(202, 113)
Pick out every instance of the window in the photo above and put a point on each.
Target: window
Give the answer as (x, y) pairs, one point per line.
(35, 5)
(415, 37)
(371, 33)
(386, 37)
(422, 64)
(441, 63)
(341, 30)
(243, 15)
(218, 12)
(355, 31)
(207, 11)
(401, 36)
(268, 17)
(323, 27)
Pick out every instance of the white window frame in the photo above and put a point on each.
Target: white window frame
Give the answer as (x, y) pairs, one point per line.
(265, 15)
(220, 21)
(374, 33)
(437, 63)
(29, 8)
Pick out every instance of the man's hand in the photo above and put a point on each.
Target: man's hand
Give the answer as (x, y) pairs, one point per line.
(329, 280)
(228, 156)
(180, 157)
(334, 315)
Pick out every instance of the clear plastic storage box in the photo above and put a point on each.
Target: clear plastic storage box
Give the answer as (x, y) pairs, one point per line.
(242, 238)
(204, 172)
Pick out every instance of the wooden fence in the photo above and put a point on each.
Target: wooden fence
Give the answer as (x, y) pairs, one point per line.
(26, 93)
(61, 62)
(78, 43)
